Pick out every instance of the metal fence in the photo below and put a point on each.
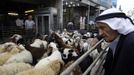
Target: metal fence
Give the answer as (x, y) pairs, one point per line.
(99, 59)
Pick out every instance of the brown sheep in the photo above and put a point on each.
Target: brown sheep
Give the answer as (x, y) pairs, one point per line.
(37, 53)
(59, 41)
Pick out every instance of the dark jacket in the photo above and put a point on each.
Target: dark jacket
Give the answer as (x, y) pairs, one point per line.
(123, 61)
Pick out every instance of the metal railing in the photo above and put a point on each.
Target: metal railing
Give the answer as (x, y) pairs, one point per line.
(78, 61)
(95, 61)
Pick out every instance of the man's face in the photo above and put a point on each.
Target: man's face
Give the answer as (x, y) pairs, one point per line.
(30, 17)
(106, 32)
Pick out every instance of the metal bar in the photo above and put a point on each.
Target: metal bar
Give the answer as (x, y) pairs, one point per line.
(98, 67)
(91, 66)
(70, 68)
(100, 72)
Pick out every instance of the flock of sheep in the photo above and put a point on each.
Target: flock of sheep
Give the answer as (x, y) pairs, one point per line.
(46, 55)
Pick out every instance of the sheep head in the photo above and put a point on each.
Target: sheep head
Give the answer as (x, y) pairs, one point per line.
(16, 38)
(68, 54)
(52, 46)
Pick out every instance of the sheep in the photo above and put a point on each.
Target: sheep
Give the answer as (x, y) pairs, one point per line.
(65, 34)
(5, 56)
(39, 43)
(50, 65)
(44, 37)
(85, 47)
(56, 55)
(87, 35)
(59, 41)
(36, 43)
(45, 43)
(2, 48)
(94, 54)
(24, 56)
(70, 42)
(104, 44)
(13, 68)
(37, 53)
(15, 38)
(52, 68)
(68, 54)
(6, 46)
(76, 34)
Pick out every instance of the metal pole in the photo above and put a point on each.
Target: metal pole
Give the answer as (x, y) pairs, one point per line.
(93, 64)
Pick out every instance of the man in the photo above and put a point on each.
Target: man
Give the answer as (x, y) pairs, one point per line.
(29, 28)
(70, 25)
(116, 28)
(19, 23)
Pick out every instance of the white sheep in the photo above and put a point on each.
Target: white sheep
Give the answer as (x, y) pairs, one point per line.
(24, 56)
(85, 46)
(53, 68)
(68, 51)
(2, 48)
(48, 66)
(13, 68)
(38, 43)
(16, 37)
(56, 55)
(6, 55)
(44, 44)
(6, 46)
(94, 54)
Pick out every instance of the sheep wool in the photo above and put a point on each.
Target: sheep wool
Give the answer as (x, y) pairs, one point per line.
(52, 68)
(36, 43)
(4, 47)
(24, 56)
(1, 49)
(54, 56)
(6, 55)
(13, 68)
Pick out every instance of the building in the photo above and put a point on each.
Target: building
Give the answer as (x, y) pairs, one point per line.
(50, 14)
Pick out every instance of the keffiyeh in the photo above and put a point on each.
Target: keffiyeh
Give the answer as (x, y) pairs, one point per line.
(116, 20)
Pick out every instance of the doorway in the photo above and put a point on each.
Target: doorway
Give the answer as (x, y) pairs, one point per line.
(42, 23)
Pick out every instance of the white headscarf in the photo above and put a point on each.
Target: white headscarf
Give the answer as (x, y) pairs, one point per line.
(122, 25)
